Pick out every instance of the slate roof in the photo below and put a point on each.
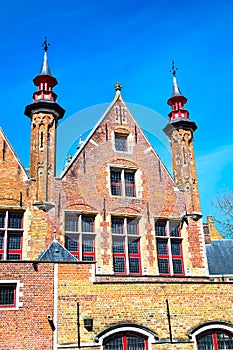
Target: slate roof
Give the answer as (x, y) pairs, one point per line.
(45, 70)
(220, 257)
(175, 88)
(56, 252)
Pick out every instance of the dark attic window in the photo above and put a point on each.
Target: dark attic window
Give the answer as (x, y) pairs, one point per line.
(121, 143)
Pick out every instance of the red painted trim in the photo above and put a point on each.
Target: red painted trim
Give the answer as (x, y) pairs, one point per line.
(87, 254)
(179, 257)
(215, 341)
(138, 256)
(120, 255)
(125, 347)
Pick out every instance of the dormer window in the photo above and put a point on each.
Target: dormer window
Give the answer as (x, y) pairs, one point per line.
(121, 144)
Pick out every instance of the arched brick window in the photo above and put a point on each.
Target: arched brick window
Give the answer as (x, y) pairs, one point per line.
(126, 336)
(213, 336)
(215, 339)
(126, 341)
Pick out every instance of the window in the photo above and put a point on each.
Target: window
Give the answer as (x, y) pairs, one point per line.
(11, 234)
(169, 248)
(184, 155)
(126, 341)
(7, 295)
(121, 143)
(126, 245)
(215, 340)
(122, 182)
(80, 235)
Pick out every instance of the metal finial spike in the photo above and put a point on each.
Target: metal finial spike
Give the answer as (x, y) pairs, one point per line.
(45, 45)
(118, 87)
(173, 69)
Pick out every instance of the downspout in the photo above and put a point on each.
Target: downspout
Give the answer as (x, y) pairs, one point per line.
(169, 321)
(55, 306)
(78, 325)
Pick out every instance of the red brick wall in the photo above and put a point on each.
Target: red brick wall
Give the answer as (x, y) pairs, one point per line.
(13, 179)
(27, 327)
(86, 183)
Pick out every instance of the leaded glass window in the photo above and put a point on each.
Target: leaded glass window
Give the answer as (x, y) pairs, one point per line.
(80, 235)
(126, 245)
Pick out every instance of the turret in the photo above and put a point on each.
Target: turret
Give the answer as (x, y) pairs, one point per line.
(44, 113)
(180, 131)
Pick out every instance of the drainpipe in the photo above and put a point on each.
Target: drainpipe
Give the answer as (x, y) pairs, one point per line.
(169, 321)
(55, 306)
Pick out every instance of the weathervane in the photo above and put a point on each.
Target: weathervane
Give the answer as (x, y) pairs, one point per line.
(45, 44)
(118, 86)
(173, 69)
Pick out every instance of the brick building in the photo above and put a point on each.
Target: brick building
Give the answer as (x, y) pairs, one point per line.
(110, 254)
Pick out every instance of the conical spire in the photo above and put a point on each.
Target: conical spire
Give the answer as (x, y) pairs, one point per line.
(175, 88)
(45, 70)
(44, 82)
(177, 99)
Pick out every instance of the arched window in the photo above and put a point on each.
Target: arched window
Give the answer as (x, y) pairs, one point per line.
(126, 341)
(215, 339)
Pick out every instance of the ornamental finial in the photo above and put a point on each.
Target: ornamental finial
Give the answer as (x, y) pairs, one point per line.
(173, 69)
(118, 87)
(45, 44)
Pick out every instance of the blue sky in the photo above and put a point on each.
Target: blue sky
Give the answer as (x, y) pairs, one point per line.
(94, 44)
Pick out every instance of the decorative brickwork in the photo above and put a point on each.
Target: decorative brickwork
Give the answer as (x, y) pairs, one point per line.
(128, 274)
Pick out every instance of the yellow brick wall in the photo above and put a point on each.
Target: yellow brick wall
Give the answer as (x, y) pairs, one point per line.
(192, 302)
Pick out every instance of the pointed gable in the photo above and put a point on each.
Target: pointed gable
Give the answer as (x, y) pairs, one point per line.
(117, 142)
(13, 175)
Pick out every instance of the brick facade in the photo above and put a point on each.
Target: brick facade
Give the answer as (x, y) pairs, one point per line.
(144, 276)
(109, 302)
